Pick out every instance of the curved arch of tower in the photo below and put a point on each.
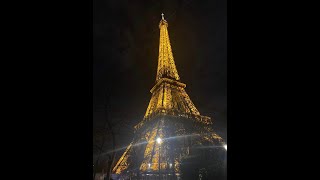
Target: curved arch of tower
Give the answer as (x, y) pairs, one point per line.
(172, 118)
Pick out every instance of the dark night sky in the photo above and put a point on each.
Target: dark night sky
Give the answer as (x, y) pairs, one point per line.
(125, 49)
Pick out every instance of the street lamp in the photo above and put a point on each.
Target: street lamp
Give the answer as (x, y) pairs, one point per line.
(159, 140)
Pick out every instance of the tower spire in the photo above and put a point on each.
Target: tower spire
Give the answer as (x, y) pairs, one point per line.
(166, 65)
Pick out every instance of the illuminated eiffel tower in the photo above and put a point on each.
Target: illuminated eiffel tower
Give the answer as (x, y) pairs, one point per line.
(171, 128)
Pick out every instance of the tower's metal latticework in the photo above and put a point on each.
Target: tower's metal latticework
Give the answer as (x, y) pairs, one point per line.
(170, 116)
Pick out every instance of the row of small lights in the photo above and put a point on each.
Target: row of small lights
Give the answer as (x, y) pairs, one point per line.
(159, 140)
(169, 164)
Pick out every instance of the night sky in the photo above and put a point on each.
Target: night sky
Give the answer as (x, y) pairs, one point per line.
(125, 57)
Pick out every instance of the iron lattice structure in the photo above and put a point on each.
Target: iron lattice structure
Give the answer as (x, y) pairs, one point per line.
(171, 116)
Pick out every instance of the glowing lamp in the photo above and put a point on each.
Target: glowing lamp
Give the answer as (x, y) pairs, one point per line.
(225, 146)
(159, 140)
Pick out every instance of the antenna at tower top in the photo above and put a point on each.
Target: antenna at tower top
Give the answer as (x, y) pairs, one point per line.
(162, 16)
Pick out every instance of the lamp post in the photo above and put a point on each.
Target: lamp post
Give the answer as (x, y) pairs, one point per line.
(159, 142)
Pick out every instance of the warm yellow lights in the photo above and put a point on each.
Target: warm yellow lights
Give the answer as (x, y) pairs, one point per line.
(168, 95)
(166, 65)
(169, 99)
(122, 164)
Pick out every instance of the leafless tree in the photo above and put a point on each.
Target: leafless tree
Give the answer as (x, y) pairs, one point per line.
(103, 139)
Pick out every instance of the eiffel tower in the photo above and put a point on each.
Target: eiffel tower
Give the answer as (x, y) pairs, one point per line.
(172, 129)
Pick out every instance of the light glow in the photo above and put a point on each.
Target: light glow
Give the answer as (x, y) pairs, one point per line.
(225, 146)
(159, 140)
